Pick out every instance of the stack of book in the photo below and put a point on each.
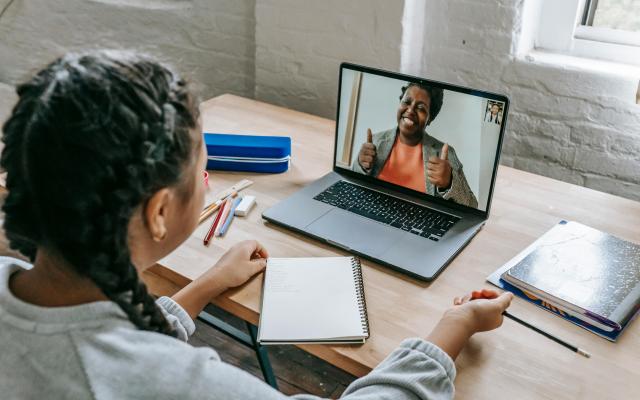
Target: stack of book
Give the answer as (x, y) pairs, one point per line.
(585, 276)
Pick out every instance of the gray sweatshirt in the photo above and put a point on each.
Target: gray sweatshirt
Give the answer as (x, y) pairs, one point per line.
(92, 351)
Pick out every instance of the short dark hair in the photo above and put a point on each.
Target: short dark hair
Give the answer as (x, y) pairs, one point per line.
(93, 136)
(436, 96)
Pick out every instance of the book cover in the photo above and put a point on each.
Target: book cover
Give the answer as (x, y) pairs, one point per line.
(595, 273)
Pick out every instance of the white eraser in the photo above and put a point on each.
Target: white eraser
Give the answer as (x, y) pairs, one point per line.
(246, 204)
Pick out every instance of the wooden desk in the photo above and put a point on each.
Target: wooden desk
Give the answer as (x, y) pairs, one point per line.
(511, 362)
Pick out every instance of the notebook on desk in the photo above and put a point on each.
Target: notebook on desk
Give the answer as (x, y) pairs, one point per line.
(586, 276)
(313, 300)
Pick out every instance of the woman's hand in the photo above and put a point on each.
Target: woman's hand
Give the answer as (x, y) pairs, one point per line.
(439, 169)
(367, 155)
(467, 317)
(240, 263)
(235, 267)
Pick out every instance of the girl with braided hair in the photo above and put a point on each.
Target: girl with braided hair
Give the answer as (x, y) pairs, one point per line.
(104, 156)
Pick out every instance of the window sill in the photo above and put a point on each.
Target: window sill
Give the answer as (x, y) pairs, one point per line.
(558, 60)
(607, 44)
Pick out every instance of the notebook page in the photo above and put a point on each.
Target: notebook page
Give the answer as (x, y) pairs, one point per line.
(309, 299)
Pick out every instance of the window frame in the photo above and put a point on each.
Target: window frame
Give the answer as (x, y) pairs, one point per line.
(561, 31)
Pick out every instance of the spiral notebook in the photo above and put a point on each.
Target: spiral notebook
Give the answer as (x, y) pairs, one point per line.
(313, 300)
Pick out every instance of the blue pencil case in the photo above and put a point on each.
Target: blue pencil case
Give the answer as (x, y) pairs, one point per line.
(249, 153)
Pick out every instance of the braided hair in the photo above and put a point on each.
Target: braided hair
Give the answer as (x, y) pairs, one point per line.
(92, 137)
(436, 96)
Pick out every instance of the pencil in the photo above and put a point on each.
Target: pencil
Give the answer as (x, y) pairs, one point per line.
(211, 208)
(548, 335)
(217, 203)
(212, 229)
(230, 191)
(227, 222)
(225, 213)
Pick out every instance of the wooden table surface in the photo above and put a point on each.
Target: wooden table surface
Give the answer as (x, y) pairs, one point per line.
(511, 362)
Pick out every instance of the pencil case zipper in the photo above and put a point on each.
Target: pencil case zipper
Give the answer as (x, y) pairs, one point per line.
(249, 159)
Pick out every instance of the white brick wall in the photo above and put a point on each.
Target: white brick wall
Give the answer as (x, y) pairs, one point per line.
(300, 44)
(575, 124)
(7, 100)
(568, 123)
(572, 123)
(211, 42)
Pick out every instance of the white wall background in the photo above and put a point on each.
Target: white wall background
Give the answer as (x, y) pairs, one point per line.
(300, 44)
(377, 106)
(345, 99)
(574, 121)
(210, 42)
(379, 99)
(490, 133)
(459, 123)
(571, 120)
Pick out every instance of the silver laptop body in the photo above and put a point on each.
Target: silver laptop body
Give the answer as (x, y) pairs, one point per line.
(470, 121)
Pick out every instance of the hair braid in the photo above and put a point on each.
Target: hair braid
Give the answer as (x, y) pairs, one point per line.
(92, 137)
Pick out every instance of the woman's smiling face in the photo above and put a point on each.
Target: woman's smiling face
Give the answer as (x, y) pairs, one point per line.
(413, 112)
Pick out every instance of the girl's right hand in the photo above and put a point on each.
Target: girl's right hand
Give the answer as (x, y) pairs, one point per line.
(467, 317)
(480, 310)
(240, 263)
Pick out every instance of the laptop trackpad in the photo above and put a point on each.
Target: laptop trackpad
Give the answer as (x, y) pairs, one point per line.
(357, 233)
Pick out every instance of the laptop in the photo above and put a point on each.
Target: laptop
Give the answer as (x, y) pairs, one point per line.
(414, 167)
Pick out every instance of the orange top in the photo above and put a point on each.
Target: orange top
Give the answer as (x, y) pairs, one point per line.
(405, 166)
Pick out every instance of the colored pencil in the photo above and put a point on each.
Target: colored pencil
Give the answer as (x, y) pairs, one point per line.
(212, 207)
(234, 205)
(225, 213)
(207, 212)
(214, 224)
(548, 335)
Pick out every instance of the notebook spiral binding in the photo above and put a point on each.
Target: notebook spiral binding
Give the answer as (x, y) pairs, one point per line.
(362, 305)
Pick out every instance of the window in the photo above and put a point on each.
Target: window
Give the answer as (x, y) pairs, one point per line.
(603, 29)
(614, 14)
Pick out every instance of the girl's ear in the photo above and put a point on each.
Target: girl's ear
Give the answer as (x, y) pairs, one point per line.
(155, 214)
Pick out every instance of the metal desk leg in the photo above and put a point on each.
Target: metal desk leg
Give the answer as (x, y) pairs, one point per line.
(263, 357)
(249, 340)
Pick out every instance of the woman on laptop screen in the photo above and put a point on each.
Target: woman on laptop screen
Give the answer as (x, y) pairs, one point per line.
(408, 156)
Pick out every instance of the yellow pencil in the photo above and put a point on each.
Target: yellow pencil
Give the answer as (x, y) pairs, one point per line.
(207, 212)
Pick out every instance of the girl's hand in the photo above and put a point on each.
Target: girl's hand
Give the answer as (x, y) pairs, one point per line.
(240, 263)
(234, 268)
(481, 310)
(467, 317)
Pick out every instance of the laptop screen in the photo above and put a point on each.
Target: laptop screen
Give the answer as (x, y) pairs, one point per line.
(429, 137)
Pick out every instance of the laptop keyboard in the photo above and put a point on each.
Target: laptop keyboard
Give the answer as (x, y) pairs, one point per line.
(389, 210)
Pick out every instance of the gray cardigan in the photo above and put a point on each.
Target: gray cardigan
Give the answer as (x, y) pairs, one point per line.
(460, 192)
(92, 351)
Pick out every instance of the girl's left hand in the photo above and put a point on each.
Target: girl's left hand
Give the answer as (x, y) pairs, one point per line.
(240, 263)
